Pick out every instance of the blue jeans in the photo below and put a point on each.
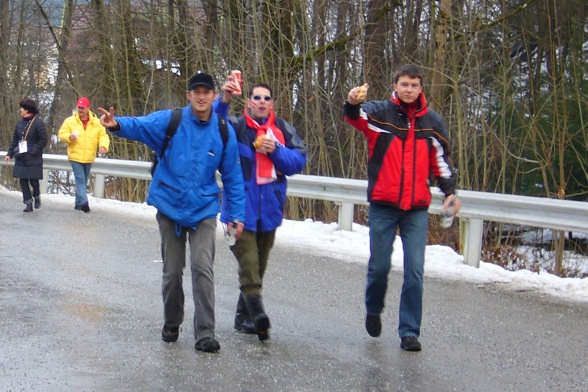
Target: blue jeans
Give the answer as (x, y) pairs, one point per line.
(81, 173)
(413, 225)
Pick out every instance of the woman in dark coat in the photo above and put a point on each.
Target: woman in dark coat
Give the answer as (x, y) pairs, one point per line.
(28, 142)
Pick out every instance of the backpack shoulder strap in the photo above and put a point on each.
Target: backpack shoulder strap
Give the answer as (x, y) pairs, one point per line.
(223, 129)
(172, 127)
(240, 126)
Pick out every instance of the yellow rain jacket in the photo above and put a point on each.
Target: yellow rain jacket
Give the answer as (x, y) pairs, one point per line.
(84, 149)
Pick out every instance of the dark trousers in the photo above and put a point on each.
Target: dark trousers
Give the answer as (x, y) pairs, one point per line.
(252, 252)
(27, 198)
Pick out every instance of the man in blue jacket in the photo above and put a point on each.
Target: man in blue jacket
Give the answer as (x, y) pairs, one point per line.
(270, 150)
(186, 194)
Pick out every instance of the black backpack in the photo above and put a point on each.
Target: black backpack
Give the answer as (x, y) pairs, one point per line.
(171, 131)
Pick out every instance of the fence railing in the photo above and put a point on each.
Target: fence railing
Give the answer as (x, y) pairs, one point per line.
(477, 207)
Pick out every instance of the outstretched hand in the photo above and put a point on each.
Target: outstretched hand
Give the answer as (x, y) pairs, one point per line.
(107, 119)
(357, 94)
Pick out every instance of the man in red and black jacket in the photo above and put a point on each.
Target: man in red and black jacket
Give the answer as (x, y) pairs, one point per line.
(408, 144)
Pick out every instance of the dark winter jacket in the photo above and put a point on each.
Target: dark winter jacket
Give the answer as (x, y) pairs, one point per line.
(265, 203)
(403, 156)
(29, 164)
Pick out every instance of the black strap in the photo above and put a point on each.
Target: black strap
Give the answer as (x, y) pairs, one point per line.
(240, 126)
(172, 127)
(223, 129)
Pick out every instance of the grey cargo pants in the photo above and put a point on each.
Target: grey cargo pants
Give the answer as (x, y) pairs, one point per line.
(173, 251)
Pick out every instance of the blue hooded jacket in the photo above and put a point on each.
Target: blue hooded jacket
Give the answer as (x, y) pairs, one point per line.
(184, 186)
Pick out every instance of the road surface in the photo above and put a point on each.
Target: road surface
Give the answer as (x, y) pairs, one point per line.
(80, 310)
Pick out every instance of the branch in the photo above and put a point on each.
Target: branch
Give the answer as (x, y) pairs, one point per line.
(493, 23)
(46, 17)
(55, 39)
(340, 45)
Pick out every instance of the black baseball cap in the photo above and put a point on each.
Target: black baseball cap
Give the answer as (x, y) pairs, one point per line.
(201, 79)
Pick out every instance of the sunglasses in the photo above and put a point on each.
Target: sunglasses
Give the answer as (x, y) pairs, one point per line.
(259, 98)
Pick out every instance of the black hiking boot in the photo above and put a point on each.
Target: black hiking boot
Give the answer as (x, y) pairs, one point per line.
(169, 335)
(207, 345)
(28, 208)
(85, 207)
(37, 202)
(243, 321)
(373, 325)
(410, 343)
(260, 320)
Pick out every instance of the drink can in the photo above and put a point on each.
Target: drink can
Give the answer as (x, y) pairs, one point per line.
(238, 77)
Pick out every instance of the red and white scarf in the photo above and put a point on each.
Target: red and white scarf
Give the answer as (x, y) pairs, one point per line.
(266, 171)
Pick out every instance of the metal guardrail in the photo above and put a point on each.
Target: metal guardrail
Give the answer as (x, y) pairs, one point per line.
(477, 207)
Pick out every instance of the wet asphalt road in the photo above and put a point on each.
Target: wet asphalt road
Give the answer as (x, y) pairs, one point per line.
(80, 310)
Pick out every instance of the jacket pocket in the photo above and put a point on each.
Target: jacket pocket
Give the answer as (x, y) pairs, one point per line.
(163, 184)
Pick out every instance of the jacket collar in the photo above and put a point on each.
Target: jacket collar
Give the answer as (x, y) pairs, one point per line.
(422, 107)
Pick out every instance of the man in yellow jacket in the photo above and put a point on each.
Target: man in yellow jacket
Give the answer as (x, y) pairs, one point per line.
(83, 134)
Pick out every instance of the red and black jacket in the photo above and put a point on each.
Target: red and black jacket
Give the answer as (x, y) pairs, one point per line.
(403, 155)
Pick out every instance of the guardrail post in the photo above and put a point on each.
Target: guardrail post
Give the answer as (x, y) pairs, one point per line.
(99, 186)
(44, 183)
(474, 229)
(345, 216)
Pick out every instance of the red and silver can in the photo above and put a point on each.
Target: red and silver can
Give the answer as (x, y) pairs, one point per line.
(238, 77)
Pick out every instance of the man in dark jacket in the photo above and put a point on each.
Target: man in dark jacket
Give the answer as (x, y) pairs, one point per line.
(28, 142)
(270, 150)
(186, 194)
(407, 144)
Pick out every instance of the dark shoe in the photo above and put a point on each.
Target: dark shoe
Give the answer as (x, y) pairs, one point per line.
(28, 208)
(207, 345)
(169, 335)
(37, 202)
(78, 207)
(373, 325)
(260, 320)
(410, 343)
(85, 207)
(264, 336)
(243, 321)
